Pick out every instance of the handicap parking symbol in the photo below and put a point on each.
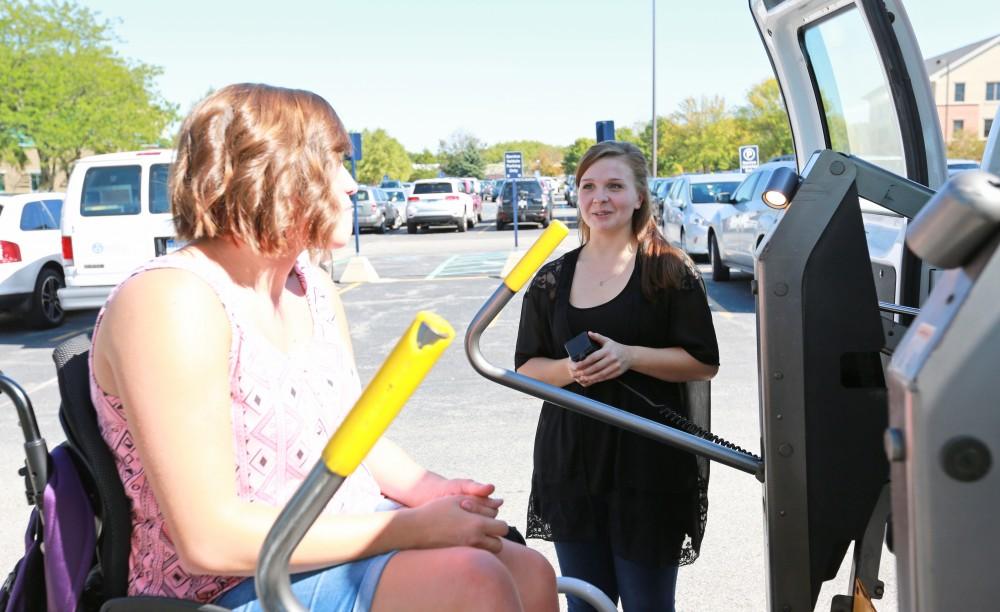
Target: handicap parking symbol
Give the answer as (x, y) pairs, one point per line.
(749, 158)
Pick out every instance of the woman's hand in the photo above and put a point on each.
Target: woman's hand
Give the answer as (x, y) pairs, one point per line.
(610, 361)
(460, 520)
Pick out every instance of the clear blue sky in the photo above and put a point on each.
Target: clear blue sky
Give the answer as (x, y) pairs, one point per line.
(518, 69)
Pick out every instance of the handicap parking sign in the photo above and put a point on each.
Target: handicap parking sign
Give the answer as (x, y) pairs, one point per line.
(749, 158)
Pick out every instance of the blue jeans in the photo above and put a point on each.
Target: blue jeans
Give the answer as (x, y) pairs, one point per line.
(641, 587)
(349, 587)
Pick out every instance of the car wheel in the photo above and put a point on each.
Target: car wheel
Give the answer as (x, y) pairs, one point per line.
(381, 228)
(46, 311)
(720, 272)
(500, 225)
(684, 244)
(411, 228)
(463, 224)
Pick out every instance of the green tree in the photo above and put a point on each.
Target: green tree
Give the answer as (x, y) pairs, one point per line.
(574, 153)
(461, 155)
(765, 120)
(708, 137)
(965, 145)
(545, 158)
(63, 88)
(382, 155)
(424, 157)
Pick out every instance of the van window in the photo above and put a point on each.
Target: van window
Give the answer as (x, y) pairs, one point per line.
(432, 188)
(111, 191)
(159, 198)
(856, 99)
(35, 216)
(362, 195)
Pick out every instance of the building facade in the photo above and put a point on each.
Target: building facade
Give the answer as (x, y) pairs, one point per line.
(24, 179)
(966, 87)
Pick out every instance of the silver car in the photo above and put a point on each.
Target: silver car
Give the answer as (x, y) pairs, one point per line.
(371, 209)
(741, 224)
(691, 203)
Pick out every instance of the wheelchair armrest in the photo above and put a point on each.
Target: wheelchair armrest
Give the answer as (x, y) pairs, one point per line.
(154, 604)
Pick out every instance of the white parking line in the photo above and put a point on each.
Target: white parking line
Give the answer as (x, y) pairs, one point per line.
(5, 403)
(440, 268)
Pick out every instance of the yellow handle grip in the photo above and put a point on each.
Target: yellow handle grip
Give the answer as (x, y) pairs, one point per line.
(536, 256)
(405, 368)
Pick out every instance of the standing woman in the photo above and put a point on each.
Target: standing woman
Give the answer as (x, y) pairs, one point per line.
(623, 511)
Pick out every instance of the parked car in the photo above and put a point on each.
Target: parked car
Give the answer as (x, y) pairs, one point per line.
(660, 196)
(116, 216)
(569, 192)
(439, 202)
(532, 204)
(372, 204)
(30, 261)
(958, 165)
(471, 187)
(396, 207)
(737, 228)
(691, 203)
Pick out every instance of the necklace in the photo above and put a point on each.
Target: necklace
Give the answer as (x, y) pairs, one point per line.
(600, 283)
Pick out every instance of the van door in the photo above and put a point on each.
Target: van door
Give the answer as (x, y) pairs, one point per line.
(117, 225)
(853, 80)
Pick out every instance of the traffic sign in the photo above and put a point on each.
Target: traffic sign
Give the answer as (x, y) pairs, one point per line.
(356, 146)
(513, 164)
(749, 158)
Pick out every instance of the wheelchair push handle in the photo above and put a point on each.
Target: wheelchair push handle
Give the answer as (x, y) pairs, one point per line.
(36, 451)
(416, 352)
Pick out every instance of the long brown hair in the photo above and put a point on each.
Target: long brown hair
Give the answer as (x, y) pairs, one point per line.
(663, 266)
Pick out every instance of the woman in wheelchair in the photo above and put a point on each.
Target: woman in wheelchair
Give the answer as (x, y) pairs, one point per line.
(219, 371)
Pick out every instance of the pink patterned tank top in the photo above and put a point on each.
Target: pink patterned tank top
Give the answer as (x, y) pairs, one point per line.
(284, 408)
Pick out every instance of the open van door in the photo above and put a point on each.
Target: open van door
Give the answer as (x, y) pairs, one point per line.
(853, 80)
(870, 152)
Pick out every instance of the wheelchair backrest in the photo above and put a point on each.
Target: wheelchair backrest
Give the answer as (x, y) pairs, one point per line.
(79, 420)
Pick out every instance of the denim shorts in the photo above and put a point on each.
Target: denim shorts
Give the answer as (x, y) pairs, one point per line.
(349, 587)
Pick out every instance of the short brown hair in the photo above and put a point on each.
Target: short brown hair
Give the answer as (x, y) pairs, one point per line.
(664, 266)
(258, 163)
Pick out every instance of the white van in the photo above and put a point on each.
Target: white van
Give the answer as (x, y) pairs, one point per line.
(116, 216)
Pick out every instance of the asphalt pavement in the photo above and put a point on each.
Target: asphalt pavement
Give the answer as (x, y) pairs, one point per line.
(458, 423)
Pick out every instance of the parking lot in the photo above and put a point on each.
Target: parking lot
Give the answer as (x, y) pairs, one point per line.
(458, 423)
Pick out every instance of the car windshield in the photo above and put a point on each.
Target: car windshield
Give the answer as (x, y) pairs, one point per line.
(705, 193)
(525, 189)
(432, 188)
(395, 196)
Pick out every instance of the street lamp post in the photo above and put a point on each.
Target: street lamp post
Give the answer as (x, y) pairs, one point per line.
(654, 88)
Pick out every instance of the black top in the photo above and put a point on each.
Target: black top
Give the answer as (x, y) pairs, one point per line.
(592, 480)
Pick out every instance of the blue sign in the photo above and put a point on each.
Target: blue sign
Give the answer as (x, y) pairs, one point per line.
(749, 158)
(605, 130)
(513, 164)
(356, 146)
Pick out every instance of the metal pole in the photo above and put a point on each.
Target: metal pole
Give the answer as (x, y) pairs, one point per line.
(354, 201)
(654, 89)
(515, 202)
